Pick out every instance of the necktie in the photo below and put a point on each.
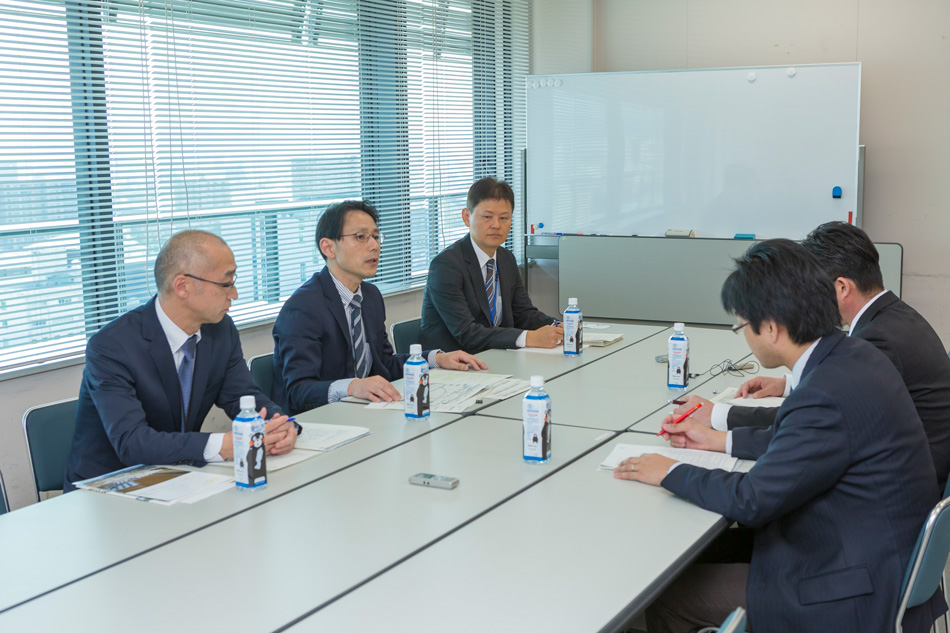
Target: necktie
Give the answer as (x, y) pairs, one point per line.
(186, 374)
(356, 333)
(490, 288)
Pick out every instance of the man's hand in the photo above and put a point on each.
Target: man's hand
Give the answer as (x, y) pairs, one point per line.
(762, 387)
(374, 389)
(459, 360)
(692, 434)
(280, 434)
(703, 415)
(547, 336)
(227, 447)
(650, 469)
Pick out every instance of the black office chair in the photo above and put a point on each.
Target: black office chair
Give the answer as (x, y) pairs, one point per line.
(405, 333)
(49, 432)
(4, 504)
(262, 371)
(927, 562)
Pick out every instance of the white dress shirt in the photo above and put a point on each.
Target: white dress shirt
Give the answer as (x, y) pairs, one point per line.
(483, 258)
(176, 339)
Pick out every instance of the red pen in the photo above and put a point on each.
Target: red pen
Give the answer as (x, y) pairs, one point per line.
(684, 416)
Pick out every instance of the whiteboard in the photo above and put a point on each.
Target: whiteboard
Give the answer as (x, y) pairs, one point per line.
(718, 151)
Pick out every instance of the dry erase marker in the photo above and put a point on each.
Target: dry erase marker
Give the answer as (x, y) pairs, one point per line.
(684, 416)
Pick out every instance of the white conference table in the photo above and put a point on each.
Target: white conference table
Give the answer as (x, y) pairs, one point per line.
(332, 523)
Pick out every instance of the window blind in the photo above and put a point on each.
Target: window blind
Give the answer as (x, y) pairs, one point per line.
(124, 121)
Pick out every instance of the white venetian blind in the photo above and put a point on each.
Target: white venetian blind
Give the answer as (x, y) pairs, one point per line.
(123, 121)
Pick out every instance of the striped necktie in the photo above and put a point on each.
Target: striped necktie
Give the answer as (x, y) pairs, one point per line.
(490, 288)
(186, 375)
(360, 360)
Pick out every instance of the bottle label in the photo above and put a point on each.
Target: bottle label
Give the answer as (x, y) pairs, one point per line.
(416, 385)
(573, 332)
(250, 459)
(678, 356)
(537, 428)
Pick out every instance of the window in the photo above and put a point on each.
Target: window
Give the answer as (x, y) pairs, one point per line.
(124, 121)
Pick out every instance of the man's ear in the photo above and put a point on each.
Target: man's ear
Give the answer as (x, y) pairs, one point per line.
(180, 286)
(466, 216)
(845, 288)
(327, 247)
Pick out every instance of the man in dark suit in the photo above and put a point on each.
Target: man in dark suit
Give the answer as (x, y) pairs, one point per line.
(848, 255)
(152, 375)
(474, 299)
(842, 483)
(330, 336)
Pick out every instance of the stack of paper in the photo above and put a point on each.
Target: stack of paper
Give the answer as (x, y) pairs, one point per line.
(314, 440)
(596, 339)
(705, 459)
(159, 484)
(456, 391)
(728, 396)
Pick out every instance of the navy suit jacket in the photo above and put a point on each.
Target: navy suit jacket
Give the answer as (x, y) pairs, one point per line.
(455, 311)
(842, 484)
(914, 348)
(313, 346)
(129, 409)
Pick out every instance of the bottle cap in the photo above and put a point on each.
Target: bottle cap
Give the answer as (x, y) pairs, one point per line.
(537, 381)
(415, 348)
(249, 402)
(679, 326)
(572, 301)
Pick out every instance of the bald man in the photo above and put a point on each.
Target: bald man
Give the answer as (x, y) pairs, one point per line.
(152, 374)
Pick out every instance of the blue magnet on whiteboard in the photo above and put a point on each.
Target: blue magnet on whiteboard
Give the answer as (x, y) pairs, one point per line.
(540, 225)
(836, 192)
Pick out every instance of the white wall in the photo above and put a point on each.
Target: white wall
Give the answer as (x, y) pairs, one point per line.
(905, 102)
(19, 394)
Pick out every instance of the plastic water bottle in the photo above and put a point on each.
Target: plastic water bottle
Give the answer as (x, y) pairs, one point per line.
(415, 375)
(536, 420)
(677, 352)
(250, 459)
(573, 328)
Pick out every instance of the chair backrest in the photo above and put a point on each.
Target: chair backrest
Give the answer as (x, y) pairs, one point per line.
(925, 570)
(262, 371)
(4, 504)
(49, 432)
(404, 334)
(735, 623)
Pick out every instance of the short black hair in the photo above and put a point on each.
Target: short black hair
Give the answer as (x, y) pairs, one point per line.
(846, 251)
(331, 222)
(489, 189)
(782, 281)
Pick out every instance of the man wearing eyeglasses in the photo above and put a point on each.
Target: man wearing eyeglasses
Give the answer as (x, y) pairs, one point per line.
(152, 375)
(330, 336)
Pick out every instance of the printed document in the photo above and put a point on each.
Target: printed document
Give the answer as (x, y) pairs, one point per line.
(728, 396)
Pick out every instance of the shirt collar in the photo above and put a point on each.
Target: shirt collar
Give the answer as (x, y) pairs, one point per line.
(800, 364)
(175, 335)
(346, 295)
(861, 312)
(482, 256)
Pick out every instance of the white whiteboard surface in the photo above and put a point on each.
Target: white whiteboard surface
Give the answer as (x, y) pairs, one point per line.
(708, 150)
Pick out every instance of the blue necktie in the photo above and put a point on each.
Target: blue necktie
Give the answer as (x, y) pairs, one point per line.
(490, 288)
(356, 333)
(186, 375)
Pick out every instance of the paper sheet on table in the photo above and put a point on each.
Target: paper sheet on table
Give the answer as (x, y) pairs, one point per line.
(452, 391)
(595, 326)
(601, 339)
(557, 350)
(274, 462)
(326, 437)
(705, 459)
(728, 396)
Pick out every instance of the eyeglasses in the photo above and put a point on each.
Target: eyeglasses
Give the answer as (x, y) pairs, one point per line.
(736, 328)
(220, 284)
(363, 238)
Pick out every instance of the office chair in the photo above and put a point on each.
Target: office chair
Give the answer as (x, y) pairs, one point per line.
(405, 333)
(927, 562)
(49, 432)
(262, 371)
(734, 623)
(4, 504)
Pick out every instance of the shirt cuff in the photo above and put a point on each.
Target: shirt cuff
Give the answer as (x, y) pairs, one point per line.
(718, 416)
(431, 358)
(213, 448)
(670, 469)
(522, 339)
(339, 389)
(729, 443)
(788, 385)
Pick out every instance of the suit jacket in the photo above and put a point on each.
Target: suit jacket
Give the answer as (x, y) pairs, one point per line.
(129, 409)
(916, 351)
(313, 346)
(842, 484)
(455, 311)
